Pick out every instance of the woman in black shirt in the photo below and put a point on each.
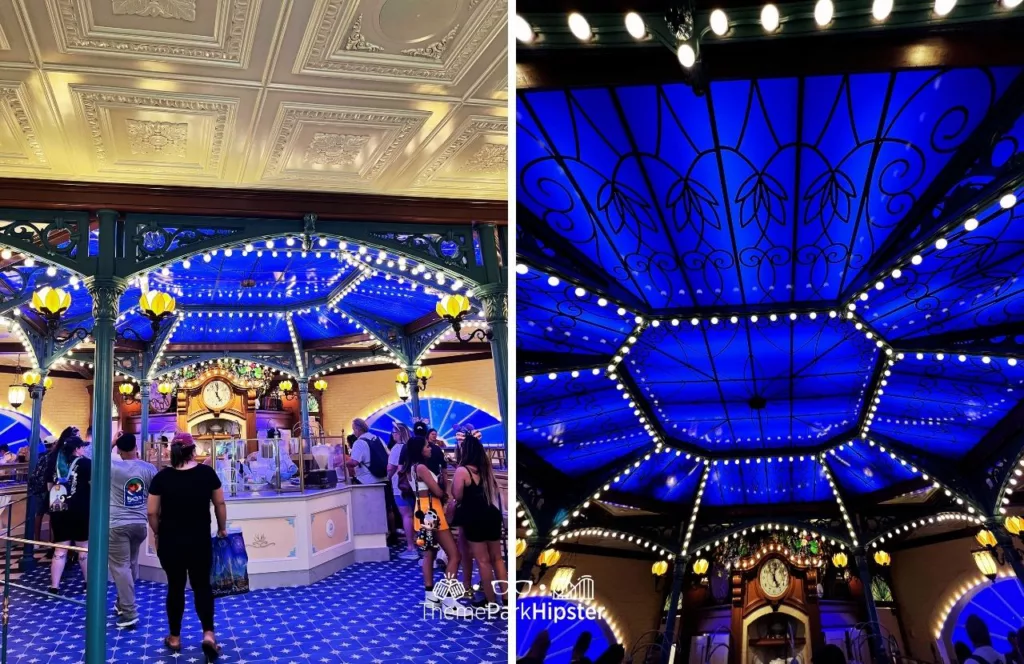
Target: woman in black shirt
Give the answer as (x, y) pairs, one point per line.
(179, 514)
(69, 521)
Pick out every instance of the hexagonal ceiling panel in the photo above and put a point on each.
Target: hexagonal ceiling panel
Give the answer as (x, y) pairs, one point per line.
(773, 383)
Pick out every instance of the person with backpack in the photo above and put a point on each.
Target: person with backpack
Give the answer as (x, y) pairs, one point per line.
(403, 493)
(369, 462)
(69, 487)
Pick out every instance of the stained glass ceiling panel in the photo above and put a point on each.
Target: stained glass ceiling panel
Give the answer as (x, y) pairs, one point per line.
(221, 328)
(559, 317)
(766, 481)
(754, 385)
(760, 192)
(974, 281)
(946, 406)
(668, 476)
(388, 299)
(577, 424)
(861, 468)
(258, 278)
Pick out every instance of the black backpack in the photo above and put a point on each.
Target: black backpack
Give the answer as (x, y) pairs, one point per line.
(378, 457)
(38, 480)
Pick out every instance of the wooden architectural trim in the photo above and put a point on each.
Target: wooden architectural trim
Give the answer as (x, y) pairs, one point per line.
(207, 201)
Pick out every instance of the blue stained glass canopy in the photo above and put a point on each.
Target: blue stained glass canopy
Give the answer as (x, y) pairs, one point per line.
(241, 294)
(812, 272)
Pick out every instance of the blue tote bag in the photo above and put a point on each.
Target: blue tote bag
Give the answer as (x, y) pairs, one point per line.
(229, 574)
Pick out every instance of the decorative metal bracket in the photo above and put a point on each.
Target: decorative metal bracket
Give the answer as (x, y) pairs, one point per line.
(61, 238)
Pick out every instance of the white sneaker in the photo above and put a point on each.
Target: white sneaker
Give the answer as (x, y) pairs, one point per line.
(409, 555)
(453, 609)
(430, 600)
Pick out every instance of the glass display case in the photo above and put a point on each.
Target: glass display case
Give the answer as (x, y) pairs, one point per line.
(266, 465)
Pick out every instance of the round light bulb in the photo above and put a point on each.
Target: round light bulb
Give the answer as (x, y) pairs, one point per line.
(1007, 201)
(580, 27)
(941, 243)
(719, 22)
(880, 9)
(770, 18)
(970, 224)
(687, 56)
(635, 25)
(823, 11)
(523, 30)
(1010, 4)
(943, 7)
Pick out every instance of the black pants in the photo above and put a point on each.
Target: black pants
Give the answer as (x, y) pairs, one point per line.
(188, 560)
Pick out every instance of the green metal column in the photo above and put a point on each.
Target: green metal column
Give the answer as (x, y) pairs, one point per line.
(36, 392)
(877, 641)
(106, 292)
(678, 574)
(494, 297)
(414, 393)
(304, 409)
(144, 416)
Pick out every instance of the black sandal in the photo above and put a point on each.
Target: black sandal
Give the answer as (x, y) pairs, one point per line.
(211, 650)
(167, 644)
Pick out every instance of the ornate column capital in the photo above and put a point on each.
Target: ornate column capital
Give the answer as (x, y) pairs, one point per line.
(494, 298)
(106, 295)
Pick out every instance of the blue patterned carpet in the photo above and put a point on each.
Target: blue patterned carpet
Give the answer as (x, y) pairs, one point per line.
(368, 613)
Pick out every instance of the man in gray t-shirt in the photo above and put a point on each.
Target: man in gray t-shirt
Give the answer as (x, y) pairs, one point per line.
(130, 478)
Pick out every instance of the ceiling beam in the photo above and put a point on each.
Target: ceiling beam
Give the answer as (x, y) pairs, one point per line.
(984, 44)
(208, 201)
(538, 245)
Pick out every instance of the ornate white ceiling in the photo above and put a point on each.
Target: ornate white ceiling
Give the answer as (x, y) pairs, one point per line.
(382, 96)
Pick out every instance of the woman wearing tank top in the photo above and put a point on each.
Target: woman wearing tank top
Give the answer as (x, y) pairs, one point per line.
(479, 516)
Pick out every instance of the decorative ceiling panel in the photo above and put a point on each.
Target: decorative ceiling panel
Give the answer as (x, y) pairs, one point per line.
(377, 96)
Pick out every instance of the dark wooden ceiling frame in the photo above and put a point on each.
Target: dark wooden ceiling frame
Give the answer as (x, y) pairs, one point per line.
(983, 44)
(89, 196)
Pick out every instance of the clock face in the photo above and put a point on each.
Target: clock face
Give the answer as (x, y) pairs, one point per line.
(216, 394)
(774, 577)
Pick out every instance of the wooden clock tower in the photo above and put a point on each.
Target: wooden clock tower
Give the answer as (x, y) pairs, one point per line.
(774, 608)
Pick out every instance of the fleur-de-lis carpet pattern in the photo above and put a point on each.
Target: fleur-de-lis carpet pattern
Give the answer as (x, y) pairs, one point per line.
(368, 613)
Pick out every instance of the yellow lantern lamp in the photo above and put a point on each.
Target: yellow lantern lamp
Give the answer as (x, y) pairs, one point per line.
(31, 378)
(453, 307)
(520, 547)
(402, 378)
(840, 560)
(320, 385)
(47, 383)
(126, 389)
(1014, 525)
(883, 558)
(165, 388)
(659, 568)
(285, 385)
(986, 563)
(549, 557)
(424, 373)
(562, 580)
(700, 566)
(50, 302)
(156, 305)
(985, 538)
